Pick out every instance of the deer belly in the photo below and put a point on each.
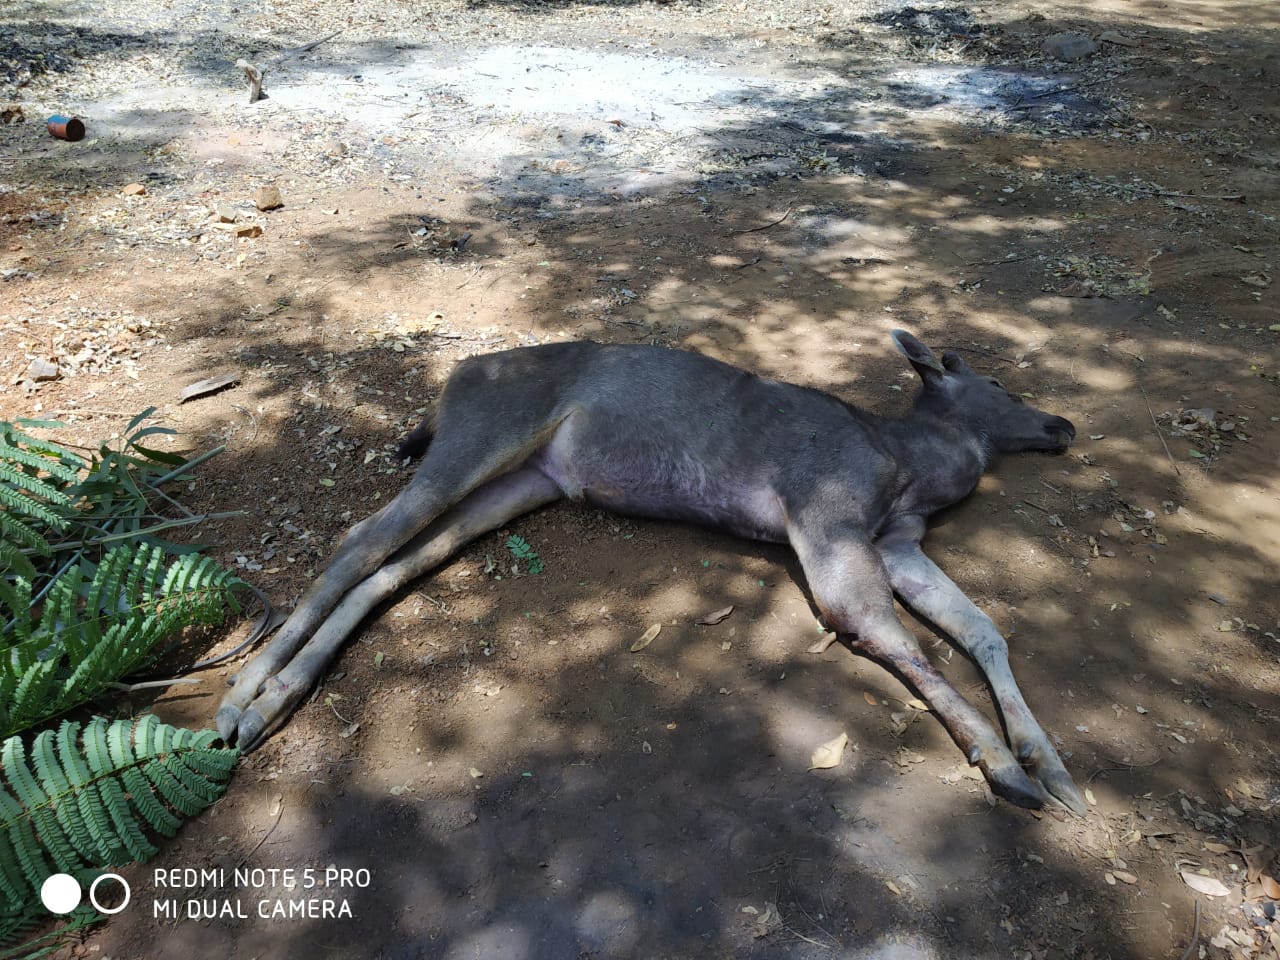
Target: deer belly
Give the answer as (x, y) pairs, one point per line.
(679, 488)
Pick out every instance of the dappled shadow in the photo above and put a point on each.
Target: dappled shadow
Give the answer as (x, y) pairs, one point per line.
(623, 804)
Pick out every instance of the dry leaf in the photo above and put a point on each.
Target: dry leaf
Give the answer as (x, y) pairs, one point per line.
(915, 704)
(1125, 876)
(711, 619)
(206, 386)
(1209, 886)
(820, 645)
(475, 774)
(894, 887)
(870, 699)
(1217, 847)
(646, 638)
(829, 754)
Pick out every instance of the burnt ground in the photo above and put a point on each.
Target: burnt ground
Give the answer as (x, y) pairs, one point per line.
(775, 185)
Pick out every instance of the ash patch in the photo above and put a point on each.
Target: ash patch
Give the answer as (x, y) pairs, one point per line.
(993, 95)
(935, 23)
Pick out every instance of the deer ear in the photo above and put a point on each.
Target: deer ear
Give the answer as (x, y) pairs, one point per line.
(921, 357)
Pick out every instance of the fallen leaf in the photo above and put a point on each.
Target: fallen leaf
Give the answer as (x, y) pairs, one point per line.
(1124, 876)
(894, 887)
(870, 699)
(917, 705)
(350, 729)
(475, 774)
(829, 754)
(1209, 886)
(711, 619)
(1217, 847)
(206, 386)
(767, 922)
(646, 638)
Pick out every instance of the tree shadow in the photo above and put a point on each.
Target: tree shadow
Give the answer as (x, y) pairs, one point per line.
(812, 233)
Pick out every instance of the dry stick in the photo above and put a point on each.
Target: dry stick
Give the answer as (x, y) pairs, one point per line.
(995, 263)
(1232, 197)
(1159, 433)
(257, 75)
(987, 353)
(148, 684)
(772, 223)
(1195, 934)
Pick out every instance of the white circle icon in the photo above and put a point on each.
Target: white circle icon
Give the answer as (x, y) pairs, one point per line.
(93, 891)
(60, 893)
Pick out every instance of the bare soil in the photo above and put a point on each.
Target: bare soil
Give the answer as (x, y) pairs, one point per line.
(1101, 234)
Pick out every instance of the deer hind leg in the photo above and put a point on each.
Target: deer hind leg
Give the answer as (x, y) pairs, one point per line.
(851, 588)
(457, 462)
(488, 508)
(931, 593)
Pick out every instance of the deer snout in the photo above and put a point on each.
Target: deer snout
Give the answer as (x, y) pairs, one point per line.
(1061, 429)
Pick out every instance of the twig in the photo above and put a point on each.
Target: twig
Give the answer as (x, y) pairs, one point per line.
(1195, 935)
(270, 831)
(1159, 432)
(1232, 197)
(294, 51)
(771, 223)
(145, 684)
(257, 75)
(817, 943)
(1118, 765)
(267, 621)
(993, 263)
(988, 353)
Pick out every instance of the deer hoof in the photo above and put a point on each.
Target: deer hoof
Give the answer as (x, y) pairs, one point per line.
(250, 731)
(1061, 787)
(228, 721)
(1010, 782)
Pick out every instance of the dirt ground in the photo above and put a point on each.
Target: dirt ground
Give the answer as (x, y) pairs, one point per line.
(777, 185)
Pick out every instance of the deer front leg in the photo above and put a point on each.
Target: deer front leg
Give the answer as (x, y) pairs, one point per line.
(923, 587)
(851, 588)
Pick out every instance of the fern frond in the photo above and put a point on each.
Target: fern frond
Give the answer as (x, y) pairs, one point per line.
(85, 800)
(93, 631)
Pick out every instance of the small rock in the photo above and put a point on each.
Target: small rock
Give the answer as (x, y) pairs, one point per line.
(133, 190)
(268, 198)
(12, 113)
(335, 149)
(1069, 46)
(248, 230)
(41, 370)
(225, 213)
